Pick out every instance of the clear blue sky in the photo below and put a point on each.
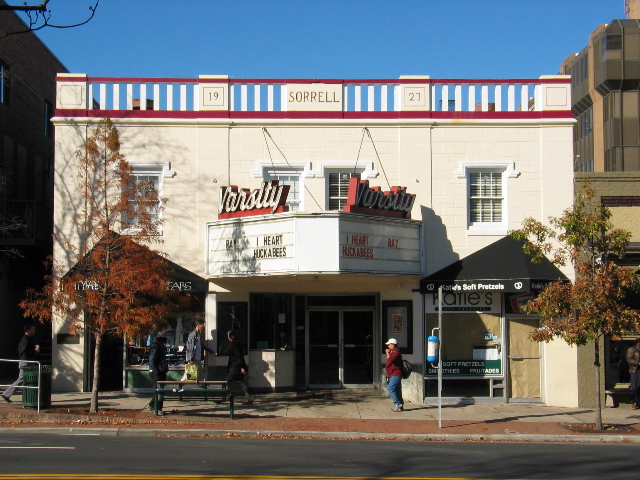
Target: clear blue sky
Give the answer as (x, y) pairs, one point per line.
(325, 38)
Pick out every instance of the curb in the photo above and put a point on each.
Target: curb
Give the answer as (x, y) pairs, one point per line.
(266, 434)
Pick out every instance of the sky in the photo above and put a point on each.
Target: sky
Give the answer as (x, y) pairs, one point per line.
(339, 39)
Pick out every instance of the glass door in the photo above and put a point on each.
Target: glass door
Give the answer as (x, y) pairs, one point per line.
(324, 352)
(340, 348)
(357, 348)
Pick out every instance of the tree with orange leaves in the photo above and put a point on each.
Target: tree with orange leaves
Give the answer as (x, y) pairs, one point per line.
(591, 306)
(117, 283)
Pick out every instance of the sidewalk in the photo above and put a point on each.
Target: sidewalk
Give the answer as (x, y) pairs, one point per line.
(324, 414)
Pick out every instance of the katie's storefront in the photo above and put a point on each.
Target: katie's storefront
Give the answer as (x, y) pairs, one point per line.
(486, 351)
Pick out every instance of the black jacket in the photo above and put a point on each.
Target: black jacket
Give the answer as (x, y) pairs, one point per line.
(27, 348)
(236, 362)
(158, 358)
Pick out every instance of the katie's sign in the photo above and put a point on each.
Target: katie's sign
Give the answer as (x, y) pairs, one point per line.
(269, 198)
(373, 201)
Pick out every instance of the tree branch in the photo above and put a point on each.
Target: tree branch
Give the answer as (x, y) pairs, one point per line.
(27, 8)
(42, 14)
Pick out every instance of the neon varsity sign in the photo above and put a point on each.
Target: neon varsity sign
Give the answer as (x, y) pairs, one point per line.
(269, 198)
(373, 201)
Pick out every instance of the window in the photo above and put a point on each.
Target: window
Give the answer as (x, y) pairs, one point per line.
(154, 180)
(48, 113)
(485, 197)
(339, 188)
(292, 178)
(3, 84)
(153, 173)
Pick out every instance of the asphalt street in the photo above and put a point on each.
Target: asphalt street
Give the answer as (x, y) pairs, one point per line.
(43, 455)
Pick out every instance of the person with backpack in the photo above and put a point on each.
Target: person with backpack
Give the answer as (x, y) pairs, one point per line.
(393, 369)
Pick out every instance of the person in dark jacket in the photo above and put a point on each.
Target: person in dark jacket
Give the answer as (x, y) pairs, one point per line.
(393, 369)
(237, 367)
(27, 350)
(194, 352)
(633, 359)
(158, 367)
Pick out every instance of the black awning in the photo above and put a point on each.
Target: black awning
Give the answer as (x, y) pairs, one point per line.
(500, 267)
(181, 279)
(184, 280)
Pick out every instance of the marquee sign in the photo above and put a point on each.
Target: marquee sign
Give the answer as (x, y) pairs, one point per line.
(269, 198)
(373, 201)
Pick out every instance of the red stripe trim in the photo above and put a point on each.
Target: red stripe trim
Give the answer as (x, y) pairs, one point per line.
(178, 114)
(286, 80)
(508, 81)
(145, 80)
(503, 115)
(71, 79)
(566, 114)
(287, 115)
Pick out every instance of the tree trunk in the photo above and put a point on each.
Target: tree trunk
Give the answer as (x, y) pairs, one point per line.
(96, 374)
(598, 390)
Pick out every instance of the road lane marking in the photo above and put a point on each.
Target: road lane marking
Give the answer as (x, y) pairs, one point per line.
(80, 476)
(41, 448)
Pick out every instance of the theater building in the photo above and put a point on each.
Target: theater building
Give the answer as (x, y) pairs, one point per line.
(319, 217)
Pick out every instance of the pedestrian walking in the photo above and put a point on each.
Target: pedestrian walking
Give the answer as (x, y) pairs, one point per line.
(633, 359)
(393, 369)
(195, 348)
(237, 366)
(27, 350)
(158, 368)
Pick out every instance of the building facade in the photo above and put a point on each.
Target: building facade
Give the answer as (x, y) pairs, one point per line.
(605, 102)
(307, 214)
(27, 100)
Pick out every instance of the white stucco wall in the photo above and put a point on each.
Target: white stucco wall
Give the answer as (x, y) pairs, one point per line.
(424, 155)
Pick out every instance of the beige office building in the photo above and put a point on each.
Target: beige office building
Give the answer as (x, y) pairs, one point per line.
(605, 101)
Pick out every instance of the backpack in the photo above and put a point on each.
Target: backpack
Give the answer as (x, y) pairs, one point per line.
(406, 368)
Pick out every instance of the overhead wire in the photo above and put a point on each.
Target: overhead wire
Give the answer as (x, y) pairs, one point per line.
(378, 157)
(266, 133)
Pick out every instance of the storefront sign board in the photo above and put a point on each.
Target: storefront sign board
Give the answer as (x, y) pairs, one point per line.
(485, 302)
(318, 97)
(368, 200)
(480, 368)
(298, 243)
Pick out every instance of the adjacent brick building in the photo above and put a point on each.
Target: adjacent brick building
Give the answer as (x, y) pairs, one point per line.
(27, 99)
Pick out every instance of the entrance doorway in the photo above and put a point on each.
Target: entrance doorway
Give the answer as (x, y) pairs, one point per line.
(524, 360)
(339, 348)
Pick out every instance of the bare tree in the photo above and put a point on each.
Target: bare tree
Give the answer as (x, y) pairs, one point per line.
(40, 16)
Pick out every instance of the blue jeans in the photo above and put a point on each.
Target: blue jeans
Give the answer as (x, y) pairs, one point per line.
(395, 390)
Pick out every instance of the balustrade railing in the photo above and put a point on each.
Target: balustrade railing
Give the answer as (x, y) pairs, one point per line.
(240, 95)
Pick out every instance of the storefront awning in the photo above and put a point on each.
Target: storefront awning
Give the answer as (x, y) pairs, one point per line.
(500, 267)
(180, 279)
(185, 280)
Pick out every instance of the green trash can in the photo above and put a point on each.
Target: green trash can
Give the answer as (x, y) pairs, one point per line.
(30, 379)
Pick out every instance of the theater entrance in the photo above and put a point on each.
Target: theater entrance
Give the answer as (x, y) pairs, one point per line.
(339, 348)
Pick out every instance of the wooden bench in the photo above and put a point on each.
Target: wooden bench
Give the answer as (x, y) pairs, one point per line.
(614, 393)
(205, 389)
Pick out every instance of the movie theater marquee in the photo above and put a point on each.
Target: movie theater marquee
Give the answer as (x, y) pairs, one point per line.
(295, 243)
